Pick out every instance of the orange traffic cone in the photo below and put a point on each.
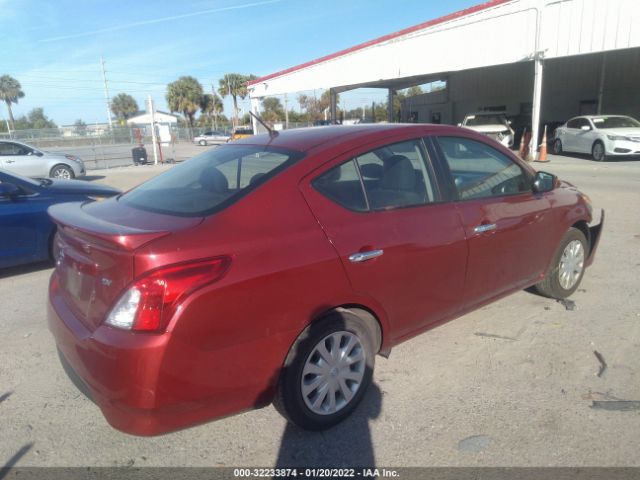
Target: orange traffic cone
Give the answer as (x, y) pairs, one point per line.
(523, 146)
(542, 155)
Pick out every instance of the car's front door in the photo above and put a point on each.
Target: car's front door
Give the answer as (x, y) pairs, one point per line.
(400, 245)
(18, 235)
(506, 224)
(21, 159)
(585, 137)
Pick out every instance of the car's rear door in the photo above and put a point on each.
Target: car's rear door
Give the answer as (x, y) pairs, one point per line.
(506, 224)
(399, 242)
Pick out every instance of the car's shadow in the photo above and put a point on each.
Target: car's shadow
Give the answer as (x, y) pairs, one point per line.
(92, 178)
(584, 156)
(348, 444)
(23, 269)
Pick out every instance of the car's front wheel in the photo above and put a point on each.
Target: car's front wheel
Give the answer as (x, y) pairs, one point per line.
(327, 372)
(62, 172)
(557, 147)
(567, 268)
(203, 143)
(597, 152)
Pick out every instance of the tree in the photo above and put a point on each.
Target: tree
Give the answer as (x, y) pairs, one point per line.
(272, 110)
(212, 106)
(124, 106)
(184, 95)
(235, 85)
(10, 92)
(315, 107)
(33, 120)
(80, 127)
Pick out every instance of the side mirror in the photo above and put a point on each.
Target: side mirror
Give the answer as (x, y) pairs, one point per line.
(544, 182)
(585, 128)
(8, 190)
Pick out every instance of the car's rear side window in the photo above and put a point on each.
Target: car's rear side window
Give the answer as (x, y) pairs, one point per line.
(392, 176)
(211, 181)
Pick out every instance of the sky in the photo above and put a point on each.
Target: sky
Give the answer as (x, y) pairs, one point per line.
(54, 48)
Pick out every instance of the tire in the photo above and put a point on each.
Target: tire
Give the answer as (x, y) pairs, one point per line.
(203, 143)
(333, 390)
(598, 152)
(63, 172)
(567, 268)
(557, 147)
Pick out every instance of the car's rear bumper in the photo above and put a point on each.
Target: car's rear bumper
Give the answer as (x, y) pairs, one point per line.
(140, 381)
(595, 232)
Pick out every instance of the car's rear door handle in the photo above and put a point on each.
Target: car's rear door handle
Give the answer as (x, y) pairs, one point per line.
(10, 161)
(364, 256)
(486, 227)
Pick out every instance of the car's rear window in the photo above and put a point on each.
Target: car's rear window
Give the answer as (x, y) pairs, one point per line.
(211, 181)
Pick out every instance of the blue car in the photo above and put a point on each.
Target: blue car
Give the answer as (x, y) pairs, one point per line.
(26, 232)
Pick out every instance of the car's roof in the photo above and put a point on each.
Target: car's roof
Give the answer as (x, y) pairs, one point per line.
(304, 139)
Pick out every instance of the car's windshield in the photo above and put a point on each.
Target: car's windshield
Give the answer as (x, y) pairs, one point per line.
(477, 120)
(615, 122)
(211, 181)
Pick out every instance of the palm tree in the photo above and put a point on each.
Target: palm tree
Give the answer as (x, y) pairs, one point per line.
(184, 95)
(124, 106)
(10, 92)
(211, 105)
(235, 84)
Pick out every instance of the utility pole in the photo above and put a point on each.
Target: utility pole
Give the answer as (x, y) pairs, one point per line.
(286, 112)
(106, 93)
(215, 115)
(153, 129)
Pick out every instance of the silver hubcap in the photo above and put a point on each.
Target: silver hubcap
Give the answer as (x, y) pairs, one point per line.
(333, 373)
(61, 173)
(571, 264)
(598, 151)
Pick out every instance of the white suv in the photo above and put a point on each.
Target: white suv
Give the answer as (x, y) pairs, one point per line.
(493, 125)
(601, 136)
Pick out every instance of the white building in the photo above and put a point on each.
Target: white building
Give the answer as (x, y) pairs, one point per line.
(550, 59)
(161, 118)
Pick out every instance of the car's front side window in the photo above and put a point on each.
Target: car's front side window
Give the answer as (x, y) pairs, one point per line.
(480, 171)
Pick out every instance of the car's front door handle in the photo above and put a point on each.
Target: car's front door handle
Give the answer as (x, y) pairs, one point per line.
(10, 161)
(364, 256)
(486, 227)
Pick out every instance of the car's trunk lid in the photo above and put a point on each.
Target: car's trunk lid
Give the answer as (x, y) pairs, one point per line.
(96, 246)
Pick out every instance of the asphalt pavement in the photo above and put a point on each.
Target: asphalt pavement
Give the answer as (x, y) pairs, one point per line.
(513, 384)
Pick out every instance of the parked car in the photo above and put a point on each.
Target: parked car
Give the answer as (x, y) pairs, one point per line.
(29, 161)
(27, 230)
(241, 132)
(277, 267)
(494, 125)
(213, 137)
(601, 136)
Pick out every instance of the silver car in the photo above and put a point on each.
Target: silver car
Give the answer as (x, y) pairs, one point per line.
(212, 138)
(28, 161)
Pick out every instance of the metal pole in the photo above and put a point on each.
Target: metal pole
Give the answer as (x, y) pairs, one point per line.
(333, 96)
(601, 89)
(153, 130)
(390, 112)
(537, 101)
(106, 93)
(286, 112)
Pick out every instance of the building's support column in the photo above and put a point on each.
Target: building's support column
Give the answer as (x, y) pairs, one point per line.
(255, 108)
(537, 102)
(333, 106)
(601, 87)
(391, 118)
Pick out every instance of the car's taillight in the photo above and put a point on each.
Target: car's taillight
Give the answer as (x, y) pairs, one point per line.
(150, 302)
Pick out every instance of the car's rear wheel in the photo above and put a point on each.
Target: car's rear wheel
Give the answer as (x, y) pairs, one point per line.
(327, 372)
(62, 172)
(557, 147)
(567, 268)
(203, 143)
(598, 152)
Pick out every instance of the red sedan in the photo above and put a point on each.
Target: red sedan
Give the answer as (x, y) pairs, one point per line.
(276, 268)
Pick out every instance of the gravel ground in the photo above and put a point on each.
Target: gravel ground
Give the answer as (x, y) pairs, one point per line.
(512, 384)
